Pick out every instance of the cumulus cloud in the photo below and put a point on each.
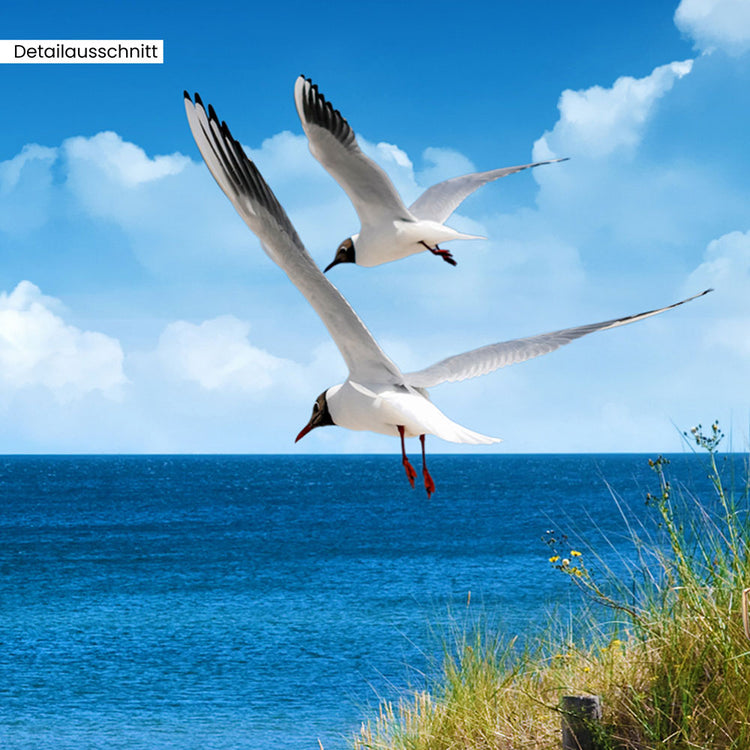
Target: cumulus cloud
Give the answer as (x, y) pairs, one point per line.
(397, 164)
(634, 204)
(26, 189)
(167, 206)
(124, 163)
(208, 387)
(11, 170)
(169, 209)
(726, 268)
(617, 229)
(37, 348)
(442, 164)
(217, 354)
(722, 24)
(597, 121)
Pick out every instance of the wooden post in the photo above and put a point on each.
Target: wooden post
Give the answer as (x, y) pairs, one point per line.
(579, 713)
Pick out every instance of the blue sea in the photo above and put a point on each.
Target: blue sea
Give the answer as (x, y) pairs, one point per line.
(248, 602)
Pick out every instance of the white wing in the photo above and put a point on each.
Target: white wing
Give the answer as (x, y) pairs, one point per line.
(333, 144)
(240, 180)
(440, 201)
(489, 358)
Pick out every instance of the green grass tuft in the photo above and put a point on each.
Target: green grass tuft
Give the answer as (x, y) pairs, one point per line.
(672, 665)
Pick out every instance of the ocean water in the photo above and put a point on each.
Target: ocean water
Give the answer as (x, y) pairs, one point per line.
(248, 602)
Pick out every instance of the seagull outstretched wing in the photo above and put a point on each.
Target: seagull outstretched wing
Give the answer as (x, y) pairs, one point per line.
(440, 201)
(333, 144)
(240, 180)
(488, 358)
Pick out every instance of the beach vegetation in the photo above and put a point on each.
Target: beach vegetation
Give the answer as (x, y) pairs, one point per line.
(664, 639)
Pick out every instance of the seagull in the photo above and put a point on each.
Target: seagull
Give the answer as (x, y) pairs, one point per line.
(389, 230)
(376, 395)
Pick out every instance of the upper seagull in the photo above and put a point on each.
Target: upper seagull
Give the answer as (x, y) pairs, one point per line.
(389, 230)
(376, 395)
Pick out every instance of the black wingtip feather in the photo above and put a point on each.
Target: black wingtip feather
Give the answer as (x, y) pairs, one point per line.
(198, 99)
(319, 110)
(226, 132)
(239, 171)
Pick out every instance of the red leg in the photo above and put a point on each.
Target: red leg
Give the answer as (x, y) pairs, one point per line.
(429, 485)
(411, 474)
(444, 254)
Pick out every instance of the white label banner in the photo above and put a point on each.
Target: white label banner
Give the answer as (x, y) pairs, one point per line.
(82, 51)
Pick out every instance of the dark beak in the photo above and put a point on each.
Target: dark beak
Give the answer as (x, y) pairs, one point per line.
(345, 254)
(333, 263)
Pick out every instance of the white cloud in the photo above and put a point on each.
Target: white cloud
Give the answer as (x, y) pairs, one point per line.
(443, 164)
(37, 348)
(175, 215)
(168, 209)
(597, 121)
(636, 206)
(617, 229)
(26, 189)
(726, 268)
(10, 171)
(123, 162)
(397, 164)
(722, 24)
(217, 355)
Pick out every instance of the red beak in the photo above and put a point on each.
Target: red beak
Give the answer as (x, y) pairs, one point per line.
(304, 431)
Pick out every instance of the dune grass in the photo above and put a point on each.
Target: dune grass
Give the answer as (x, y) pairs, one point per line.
(671, 660)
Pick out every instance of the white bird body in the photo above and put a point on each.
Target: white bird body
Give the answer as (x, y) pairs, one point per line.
(376, 396)
(389, 230)
(388, 241)
(382, 408)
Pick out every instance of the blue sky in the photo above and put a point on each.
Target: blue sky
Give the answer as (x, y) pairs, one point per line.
(138, 314)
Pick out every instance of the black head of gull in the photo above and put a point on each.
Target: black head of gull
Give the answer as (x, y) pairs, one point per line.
(321, 417)
(344, 254)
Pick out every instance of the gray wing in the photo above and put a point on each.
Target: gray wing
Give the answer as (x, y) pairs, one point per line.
(333, 144)
(440, 201)
(243, 184)
(489, 358)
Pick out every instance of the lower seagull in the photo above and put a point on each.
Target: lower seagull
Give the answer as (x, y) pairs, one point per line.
(376, 396)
